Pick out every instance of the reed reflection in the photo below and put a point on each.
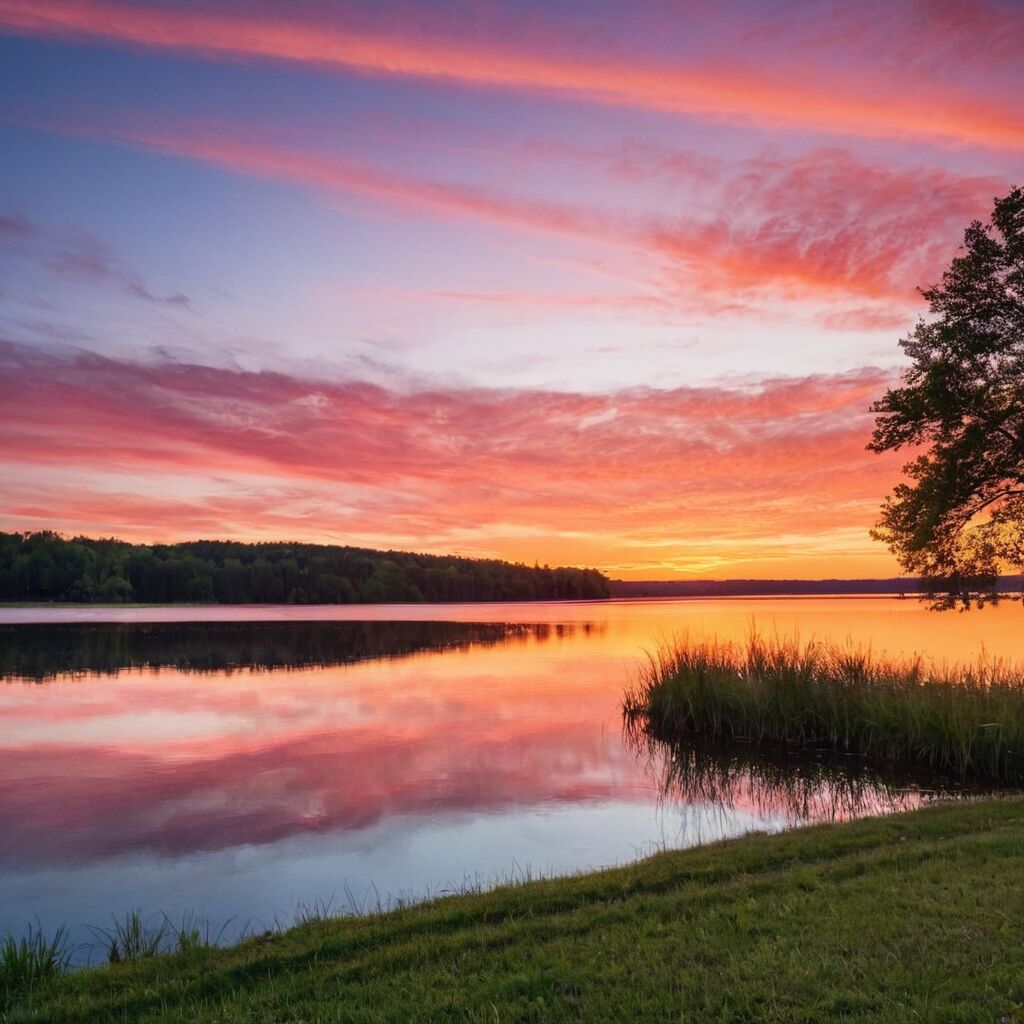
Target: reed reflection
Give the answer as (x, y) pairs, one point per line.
(794, 787)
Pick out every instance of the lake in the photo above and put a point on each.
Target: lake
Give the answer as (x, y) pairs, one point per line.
(244, 762)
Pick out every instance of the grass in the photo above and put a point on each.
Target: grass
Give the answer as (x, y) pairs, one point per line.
(28, 962)
(912, 917)
(966, 723)
(132, 937)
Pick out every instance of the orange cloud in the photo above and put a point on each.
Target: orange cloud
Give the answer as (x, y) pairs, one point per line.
(827, 222)
(657, 479)
(927, 107)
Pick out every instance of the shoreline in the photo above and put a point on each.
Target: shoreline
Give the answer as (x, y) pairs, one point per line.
(863, 920)
(637, 599)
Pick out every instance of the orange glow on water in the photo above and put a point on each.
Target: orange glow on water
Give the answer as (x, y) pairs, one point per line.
(207, 761)
(251, 790)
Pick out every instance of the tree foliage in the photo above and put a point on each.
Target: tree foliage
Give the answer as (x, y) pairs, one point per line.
(45, 566)
(958, 519)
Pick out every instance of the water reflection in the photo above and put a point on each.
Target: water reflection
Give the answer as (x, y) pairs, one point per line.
(74, 803)
(46, 651)
(799, 787)
(256, 755)
(239, 768)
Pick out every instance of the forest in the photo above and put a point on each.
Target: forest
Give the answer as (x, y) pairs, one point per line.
(46, 566)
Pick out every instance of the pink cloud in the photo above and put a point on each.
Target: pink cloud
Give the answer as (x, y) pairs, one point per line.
(829, 223)
(866, 318)
(928, 38)
(784, 86)
(816, 227)
(420, 466)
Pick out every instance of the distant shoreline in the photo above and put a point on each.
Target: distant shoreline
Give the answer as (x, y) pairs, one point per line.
(908, 586)
(619, 590)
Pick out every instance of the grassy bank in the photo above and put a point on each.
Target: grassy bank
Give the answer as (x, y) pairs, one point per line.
(911, 917)
(967, 721)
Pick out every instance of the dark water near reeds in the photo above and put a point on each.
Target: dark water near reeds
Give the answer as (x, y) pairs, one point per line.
(242, 762)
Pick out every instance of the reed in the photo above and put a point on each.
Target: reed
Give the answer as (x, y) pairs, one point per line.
(966, 722)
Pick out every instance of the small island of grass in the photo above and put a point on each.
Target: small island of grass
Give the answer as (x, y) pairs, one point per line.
(964, 722)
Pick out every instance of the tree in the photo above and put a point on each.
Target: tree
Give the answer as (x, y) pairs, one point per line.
(958, 521)
(115, 589)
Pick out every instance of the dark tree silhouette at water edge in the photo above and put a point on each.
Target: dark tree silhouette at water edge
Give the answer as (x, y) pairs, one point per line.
(45, 566)
(958, 520)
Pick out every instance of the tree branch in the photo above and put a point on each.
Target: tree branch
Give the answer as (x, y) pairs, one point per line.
(1007, 492)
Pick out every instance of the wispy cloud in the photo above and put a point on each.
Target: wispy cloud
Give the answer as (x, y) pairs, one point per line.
(77, 255)
(821, 225)
(775, 89)
(420, 465)
(831, 223)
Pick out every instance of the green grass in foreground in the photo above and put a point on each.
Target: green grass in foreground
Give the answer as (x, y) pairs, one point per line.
(914, 917)
(33, 959)
(963, 721)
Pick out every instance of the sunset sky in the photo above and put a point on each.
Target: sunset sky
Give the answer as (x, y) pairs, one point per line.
(607, 284)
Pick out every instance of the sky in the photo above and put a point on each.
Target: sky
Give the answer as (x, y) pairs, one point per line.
(609, 284)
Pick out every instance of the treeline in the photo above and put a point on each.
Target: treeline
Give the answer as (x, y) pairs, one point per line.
(906, 585)
(46, 566)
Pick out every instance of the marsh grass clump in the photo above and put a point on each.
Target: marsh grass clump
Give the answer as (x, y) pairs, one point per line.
(32, 959)
(966, 722)
(190, 934)
(132, 938)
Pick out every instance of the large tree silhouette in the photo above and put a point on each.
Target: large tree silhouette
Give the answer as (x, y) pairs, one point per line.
(958, 519)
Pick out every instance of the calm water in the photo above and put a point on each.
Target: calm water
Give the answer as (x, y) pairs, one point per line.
(240, 762)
